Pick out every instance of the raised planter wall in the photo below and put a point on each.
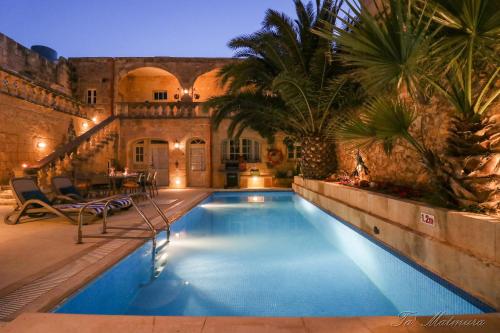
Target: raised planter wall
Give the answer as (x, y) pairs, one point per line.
(463, 248)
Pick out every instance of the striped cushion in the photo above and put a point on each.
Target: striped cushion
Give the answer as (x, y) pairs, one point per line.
(95, 209)
(121, 203)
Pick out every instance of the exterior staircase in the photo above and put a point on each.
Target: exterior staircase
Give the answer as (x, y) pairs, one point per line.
(87, 153)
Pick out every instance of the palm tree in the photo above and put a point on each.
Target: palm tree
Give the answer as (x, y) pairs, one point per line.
(469, 42)
(407, 43)
(287, 81)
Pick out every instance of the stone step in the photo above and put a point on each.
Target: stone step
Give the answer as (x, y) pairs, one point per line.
(7, 202)
(7, 198)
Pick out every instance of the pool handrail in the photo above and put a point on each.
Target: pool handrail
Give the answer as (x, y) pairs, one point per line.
(107, 201)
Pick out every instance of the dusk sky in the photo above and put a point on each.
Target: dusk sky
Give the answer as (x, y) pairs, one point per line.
(185, 28)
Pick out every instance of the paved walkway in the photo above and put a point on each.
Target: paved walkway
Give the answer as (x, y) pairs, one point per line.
(41, 323)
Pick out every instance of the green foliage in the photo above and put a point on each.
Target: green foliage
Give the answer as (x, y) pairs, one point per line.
(288, 79)
(386, 51)
(381, 120)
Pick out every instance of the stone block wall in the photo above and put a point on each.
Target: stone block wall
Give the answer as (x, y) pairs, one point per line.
(170, 130)
(95, 73)
(17, 58)
(403, 166)
(24, 125)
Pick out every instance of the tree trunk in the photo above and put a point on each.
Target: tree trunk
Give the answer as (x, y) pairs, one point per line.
(318, 158)
(474, 153)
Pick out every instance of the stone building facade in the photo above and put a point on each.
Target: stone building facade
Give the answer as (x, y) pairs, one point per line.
(161, 122)
(159, 111)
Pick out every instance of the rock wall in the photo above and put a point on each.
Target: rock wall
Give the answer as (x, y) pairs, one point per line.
(403, 166)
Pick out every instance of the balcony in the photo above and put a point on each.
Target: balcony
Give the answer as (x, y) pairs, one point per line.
(16, 85)
(148, 110)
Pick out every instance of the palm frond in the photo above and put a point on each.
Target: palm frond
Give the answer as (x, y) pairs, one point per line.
(381, 120)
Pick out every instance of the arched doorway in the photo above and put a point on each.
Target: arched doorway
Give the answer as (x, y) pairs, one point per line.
(148, 154)
(197, 163)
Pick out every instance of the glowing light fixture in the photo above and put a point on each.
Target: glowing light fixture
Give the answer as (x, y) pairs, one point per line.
(41, 145)
(94, 119)
(85, 125)
(186, 91)
(177, 145)
(24, 165)
(177, 181)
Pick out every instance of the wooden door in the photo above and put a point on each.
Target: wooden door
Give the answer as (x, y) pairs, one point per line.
(159, 160)
(198, 174)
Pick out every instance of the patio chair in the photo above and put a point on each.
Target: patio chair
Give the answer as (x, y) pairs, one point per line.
(32, 202)
(150, 182)
(66, 190)
(134, 185)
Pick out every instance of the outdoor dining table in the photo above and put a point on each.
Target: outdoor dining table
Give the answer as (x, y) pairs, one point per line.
(117, 179)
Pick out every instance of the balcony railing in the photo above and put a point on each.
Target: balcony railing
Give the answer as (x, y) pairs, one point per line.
(14, 84)
(147, 110)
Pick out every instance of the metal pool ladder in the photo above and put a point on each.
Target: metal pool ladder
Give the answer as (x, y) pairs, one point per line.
(133, 199)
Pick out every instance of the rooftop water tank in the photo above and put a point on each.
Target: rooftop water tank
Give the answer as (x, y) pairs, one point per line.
(45, 51)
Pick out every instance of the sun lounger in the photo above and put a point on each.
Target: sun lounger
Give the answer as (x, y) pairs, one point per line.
(32, 202)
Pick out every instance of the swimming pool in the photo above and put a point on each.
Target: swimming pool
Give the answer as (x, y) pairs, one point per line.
(266, 254)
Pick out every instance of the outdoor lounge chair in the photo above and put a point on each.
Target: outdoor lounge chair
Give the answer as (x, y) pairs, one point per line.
(65, 189)
(32, 202)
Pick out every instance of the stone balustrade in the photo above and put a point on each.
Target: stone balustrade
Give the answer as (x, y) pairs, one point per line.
(15, 85)
(161, 110)
(67, 159)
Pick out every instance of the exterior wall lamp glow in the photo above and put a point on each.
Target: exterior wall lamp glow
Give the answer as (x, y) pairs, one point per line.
(41, 145)
(177, 145)
(85, 125)
(94, 120)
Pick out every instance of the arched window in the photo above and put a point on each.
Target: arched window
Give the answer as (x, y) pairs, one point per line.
(248, 149)
(139, 152)
(197, 155)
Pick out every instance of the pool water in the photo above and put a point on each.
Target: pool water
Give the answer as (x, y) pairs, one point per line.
(281, 257)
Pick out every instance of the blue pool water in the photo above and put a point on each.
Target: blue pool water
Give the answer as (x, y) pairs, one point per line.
(283, 257)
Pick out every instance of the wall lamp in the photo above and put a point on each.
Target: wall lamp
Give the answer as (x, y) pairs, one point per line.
(177, 145)
(184, 93)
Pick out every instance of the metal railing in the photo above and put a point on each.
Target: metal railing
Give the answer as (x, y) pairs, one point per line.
(107, 206)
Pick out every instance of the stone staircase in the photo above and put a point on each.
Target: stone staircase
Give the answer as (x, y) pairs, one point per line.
(6, 196)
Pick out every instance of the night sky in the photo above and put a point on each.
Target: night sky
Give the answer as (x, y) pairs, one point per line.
(184, 28)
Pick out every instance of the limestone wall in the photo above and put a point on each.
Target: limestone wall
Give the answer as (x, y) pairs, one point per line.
(25, 125)
(463, 248)
(95, 73)
(169, 130)
(17, 58)
(141, 88)
(403, 166)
